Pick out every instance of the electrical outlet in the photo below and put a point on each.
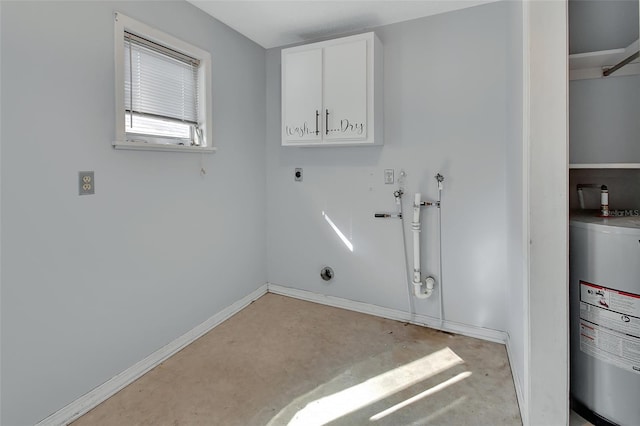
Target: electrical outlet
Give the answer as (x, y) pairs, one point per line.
(388, 176)
(86, 183)
(297, 175)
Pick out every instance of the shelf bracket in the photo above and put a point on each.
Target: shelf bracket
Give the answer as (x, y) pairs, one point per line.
(609, 71)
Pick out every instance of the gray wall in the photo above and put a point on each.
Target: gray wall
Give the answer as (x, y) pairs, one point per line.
(93, 284)
(623, 185)
(602, 24)
(603, 119)
(446, 110)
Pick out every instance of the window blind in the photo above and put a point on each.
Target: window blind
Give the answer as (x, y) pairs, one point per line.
(159, 82)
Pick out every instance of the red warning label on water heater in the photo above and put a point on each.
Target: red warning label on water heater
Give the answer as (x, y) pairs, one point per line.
(610, 325)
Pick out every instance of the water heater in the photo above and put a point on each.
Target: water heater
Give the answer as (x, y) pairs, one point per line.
(605, 318)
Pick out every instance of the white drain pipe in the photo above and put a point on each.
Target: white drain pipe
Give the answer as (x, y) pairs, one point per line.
(415, 227)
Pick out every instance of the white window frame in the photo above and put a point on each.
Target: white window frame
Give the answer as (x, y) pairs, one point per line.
(205, 106)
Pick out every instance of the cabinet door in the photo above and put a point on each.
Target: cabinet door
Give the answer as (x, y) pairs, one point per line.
(345, 91)
(302, 97)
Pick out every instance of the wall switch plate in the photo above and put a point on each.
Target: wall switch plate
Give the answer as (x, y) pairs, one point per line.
(86, 183)
(297, 175)
(388, 176)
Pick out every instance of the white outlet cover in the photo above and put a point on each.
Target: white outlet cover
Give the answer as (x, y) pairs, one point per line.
(388, 176)
(86, 183)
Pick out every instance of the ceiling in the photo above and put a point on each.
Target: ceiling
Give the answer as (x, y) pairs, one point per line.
(279, 23)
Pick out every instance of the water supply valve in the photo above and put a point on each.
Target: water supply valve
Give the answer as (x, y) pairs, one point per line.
(440, 179)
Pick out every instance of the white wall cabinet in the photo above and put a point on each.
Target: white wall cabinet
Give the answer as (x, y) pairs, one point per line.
(332, 93)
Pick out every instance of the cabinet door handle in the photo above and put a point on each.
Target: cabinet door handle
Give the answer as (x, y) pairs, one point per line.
(317, 115)
(326, 122)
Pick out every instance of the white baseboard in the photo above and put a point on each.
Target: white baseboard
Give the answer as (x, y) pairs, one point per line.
(517, 382)
(90, 400)
(366, 308)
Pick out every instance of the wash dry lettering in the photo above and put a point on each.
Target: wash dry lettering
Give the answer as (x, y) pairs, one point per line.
(299, 131)
(346, 127)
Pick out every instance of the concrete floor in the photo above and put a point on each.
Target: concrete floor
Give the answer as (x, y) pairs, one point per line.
(576, 420)
(285, 361)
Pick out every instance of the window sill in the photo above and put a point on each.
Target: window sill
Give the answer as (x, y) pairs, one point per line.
(144, 146)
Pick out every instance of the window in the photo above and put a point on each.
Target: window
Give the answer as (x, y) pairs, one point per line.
(163, 90)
